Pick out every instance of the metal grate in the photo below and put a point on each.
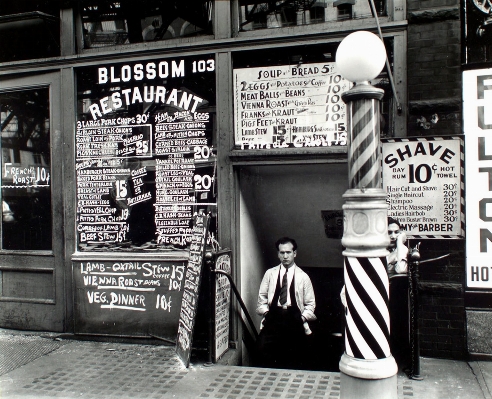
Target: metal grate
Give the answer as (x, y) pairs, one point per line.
(241, 383)
(16, 351)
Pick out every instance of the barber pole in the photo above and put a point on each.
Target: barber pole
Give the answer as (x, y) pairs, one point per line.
(364, 156)
(367, 354)
(367, 320)
(367, 368)
(365, 236)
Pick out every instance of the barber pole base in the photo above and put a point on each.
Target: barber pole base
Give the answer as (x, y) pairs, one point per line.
(368, 370)
(368, 379)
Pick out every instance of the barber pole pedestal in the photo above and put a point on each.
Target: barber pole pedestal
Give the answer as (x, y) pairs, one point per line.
(368, 370)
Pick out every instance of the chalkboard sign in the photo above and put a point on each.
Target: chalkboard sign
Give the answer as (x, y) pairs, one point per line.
(191, 290)
(222, 304)
(128, 297)
(145, 158)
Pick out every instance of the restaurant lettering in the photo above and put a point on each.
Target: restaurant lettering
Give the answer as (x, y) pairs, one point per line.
(144, 155)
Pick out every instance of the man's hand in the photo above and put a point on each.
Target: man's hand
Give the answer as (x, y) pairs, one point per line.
(401, 239)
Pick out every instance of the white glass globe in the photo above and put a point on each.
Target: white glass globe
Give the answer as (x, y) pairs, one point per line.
(360, 56)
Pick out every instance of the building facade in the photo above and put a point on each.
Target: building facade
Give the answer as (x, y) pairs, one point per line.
(120, 120)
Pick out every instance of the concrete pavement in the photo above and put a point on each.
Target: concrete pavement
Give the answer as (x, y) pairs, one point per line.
(46, 366)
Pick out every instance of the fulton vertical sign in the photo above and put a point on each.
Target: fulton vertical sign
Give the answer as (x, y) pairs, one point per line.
(477, 115)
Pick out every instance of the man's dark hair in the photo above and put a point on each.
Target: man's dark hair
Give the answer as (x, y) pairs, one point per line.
(286, 240)
(393, 221)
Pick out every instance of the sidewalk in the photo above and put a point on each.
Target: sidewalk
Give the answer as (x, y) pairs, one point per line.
(44, 366)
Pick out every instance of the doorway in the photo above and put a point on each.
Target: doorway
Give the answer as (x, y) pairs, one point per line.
(31, 227)
(291, 200)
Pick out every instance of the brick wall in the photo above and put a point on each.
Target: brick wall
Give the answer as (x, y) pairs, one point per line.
(434, 109)
(434, 59)
(442, 320)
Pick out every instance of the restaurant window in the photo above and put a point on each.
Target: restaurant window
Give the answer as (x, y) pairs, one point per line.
(257, 14)
(110, 23)
(26, 170)
(291, 97)
(29, 29)
(145, 153)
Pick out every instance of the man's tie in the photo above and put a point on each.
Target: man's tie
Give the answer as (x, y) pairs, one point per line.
(283, 290)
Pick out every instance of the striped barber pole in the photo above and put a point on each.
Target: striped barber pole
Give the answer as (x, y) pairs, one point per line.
(364, 158)
(367, 331)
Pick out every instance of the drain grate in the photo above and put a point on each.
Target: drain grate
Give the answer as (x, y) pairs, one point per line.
(247, 383)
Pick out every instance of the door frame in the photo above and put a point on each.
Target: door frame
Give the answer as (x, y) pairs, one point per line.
(39, 313)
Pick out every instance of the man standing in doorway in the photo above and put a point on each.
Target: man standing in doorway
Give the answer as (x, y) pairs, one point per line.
(286, 301)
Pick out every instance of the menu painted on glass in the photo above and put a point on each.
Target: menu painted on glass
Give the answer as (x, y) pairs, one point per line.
(145, 153)
(289, 106)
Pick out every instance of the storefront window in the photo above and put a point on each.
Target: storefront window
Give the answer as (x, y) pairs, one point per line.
(109, 23)
(145, 157)
(26, 170)
(292, 98)
(257, 14)
(478, 31)
(29, 29)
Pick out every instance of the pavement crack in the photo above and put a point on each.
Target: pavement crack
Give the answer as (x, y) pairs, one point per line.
(477, 372)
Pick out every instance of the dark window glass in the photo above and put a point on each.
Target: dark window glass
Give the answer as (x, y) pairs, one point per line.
(109, 23)
(26, 170)
(478, 31)
(345, 11)
(257, 14)
(29, 29)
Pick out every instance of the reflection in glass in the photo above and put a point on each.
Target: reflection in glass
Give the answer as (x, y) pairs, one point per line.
(29, 29)
(109, 23)
(260, 14)
(478, 31)
(26, 170)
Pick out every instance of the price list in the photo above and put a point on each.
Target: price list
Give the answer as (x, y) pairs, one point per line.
(103, 178)
(181, 141)
(423, 181)
(222, 304)
(138, 185)
(144, 158)
(191, 290)
(289, 106)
